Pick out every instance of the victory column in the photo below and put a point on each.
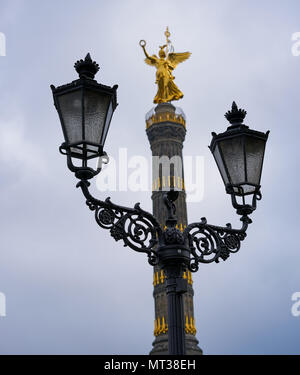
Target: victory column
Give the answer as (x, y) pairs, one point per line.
(166, 129)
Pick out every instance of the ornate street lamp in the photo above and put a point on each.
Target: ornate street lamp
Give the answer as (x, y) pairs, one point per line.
(239, 154)
(85, 109)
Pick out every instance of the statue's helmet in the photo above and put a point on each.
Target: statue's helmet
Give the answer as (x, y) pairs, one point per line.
(161, 52)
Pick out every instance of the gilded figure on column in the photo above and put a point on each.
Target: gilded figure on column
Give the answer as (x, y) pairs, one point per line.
(165, 64)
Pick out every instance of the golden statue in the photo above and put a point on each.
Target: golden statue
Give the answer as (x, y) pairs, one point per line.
(165, 64)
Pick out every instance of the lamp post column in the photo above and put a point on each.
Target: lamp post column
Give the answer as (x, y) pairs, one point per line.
(176, 287)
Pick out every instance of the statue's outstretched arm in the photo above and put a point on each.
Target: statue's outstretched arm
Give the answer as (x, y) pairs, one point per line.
(145, 52)
(150, 60)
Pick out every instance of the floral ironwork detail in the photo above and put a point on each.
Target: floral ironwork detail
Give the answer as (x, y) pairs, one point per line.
(140, 231)
(173, 236)
(208, 243)
(137, 228)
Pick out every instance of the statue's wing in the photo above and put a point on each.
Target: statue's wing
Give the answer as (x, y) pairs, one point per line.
(178, 57)
(151, 60)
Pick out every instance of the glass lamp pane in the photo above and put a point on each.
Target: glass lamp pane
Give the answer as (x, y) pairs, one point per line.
(107, 122)
(220, 164)
(92, 151)
(71, 112)
(248, 189)
(255, 148)
(95, 108)
(233, 154)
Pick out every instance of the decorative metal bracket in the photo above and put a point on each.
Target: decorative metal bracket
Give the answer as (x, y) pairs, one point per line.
(208, 243)
(138, 229)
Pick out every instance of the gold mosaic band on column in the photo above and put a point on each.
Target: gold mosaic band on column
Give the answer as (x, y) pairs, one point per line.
(164, 117)
(178, 226)
(161, 327)
(159, 277)
(178, 183)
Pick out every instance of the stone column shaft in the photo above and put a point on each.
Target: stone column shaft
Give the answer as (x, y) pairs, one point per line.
(166, 133)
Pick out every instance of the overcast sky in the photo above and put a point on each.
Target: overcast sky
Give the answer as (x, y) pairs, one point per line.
(70, 288)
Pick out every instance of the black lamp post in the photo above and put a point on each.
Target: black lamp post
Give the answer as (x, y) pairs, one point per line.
(85, 108)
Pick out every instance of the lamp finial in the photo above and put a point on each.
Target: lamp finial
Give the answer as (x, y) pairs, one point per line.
(86, 68)
(236, 115)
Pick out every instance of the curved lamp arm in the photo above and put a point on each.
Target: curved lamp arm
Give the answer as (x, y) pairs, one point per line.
(208, 243)
(137, 228)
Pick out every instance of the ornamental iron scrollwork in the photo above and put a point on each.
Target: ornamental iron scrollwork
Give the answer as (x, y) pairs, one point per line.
(210, 243)
(138, 229)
